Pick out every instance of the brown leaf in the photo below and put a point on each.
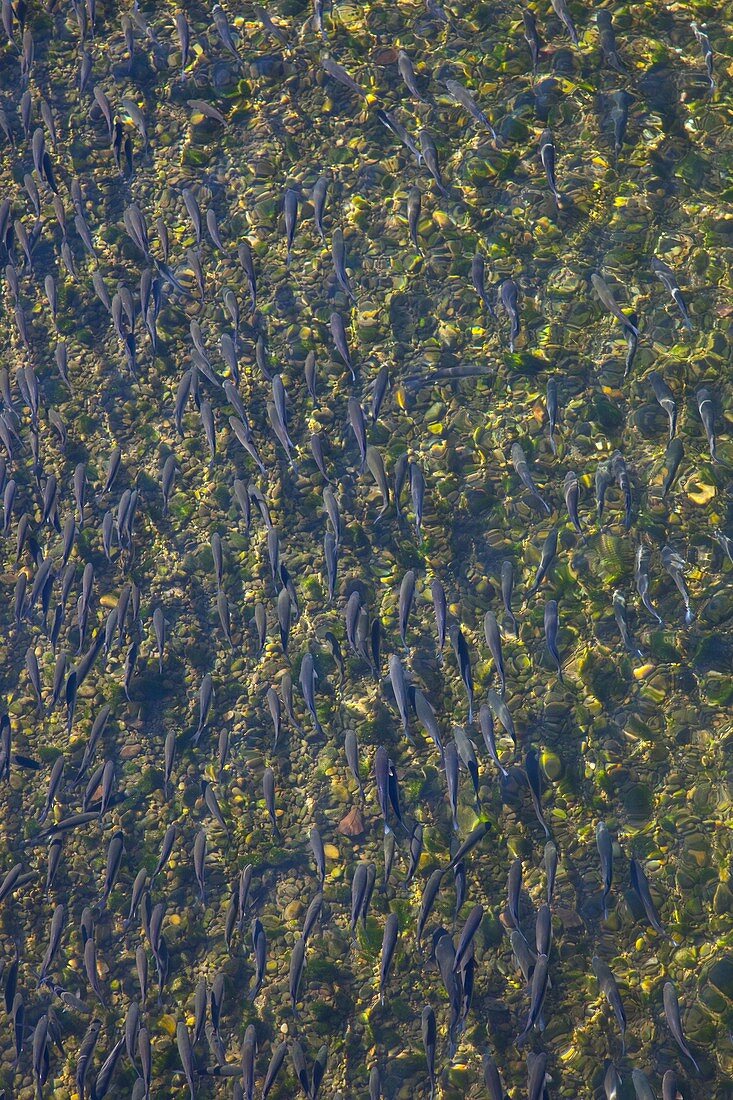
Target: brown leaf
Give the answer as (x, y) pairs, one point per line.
(352, 824)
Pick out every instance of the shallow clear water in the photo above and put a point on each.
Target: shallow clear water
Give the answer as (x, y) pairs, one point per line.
(636, 735)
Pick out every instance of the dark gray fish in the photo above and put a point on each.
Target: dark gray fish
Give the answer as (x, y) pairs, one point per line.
(707, 52)
(665, 397)
(673, 457)
(429, 1029)
(486, 723)
(463, 97)
(463, 659)
(612, 1083)
(551, 629)
(640, 886)
(609, 989)
(561, 11)
(537, 997)
(339, 73)
(704, 400)
(493, 640)
(605, 851)
(607, 37)
(509, 297)
(290, 211)
(429, 896)
(619, 612)
(571, 493)
(674, 1021)
(407, 73)
(307, 680)
(519, 461)
(532, 770)
(430, 156)
(478, 267)
(389, 945)
(549, 550)
(414, 209)
(318, 199)
(547, 156)
(507, 587)
(606, 297)
(641, 579)
(618, 116)
(674, 564)
(297, 963)
(474, 838)
(338, 253)
(338, 333)
(620, 472)
(665, 274)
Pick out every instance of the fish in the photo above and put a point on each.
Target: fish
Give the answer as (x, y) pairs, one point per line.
(532, 37)
(606, 297)
(549, 551)
(509, 298)
(609, 988)
(674, 1021)
(551, 628)
(674, 565)
(607, 37)
(406, 71)
(561, 11)
(707, 53)
(619, 612)
(429, 1030)
(478, 270)
(665, 397)
(389, 945)
(414, 210)
(547, 156)
(618, 103)
(493, 640)
(519, 461)
(463, 97)
(571, 492)
(704, 401)
(666, 276)
(640, 886)
(429, 154)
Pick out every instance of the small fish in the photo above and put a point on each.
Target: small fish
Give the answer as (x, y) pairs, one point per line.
(609, 988)
(640, 886)
(707, 53)
(493, 641)
(606, 297)
(537, 996)
(389, 945)
(704, 400)
(641, 579)
(463, 97)
(619, 612)
(430, 156)
(519, 461)
(551, 628)
(429, 1030)
(549, 551)
(674, 1021)
(508, 295)
(674, 565)
(547, 156)
(607, 37)
(339, 73)
(478, 276)
(561, 11)
(531, 37)
(665, 274)
(571, 493)
(665, 397)
(406, 71)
